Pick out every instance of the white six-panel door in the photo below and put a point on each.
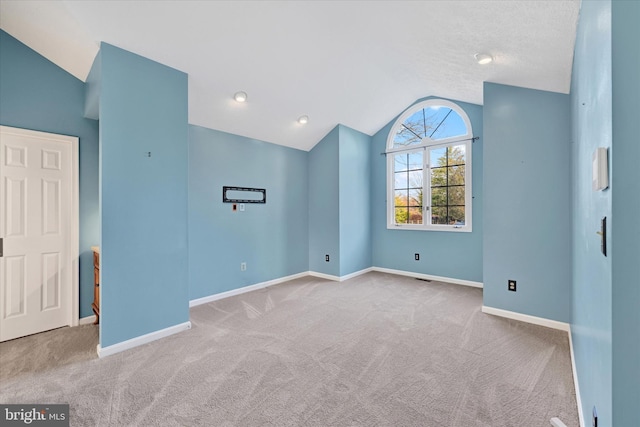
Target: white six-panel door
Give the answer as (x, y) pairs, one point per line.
(38, 271)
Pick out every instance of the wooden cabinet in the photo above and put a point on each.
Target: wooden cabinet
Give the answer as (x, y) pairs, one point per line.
(96, 284)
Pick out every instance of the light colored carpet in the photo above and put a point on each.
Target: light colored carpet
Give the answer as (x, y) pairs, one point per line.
(48, 350)
(376, 350)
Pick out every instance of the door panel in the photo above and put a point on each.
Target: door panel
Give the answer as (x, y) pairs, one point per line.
(51, 207)
(51, 159)
(16, 156)
(16, 207)
(15, 285)
(51, 281)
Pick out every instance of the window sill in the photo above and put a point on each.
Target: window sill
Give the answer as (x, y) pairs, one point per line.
(445, 228)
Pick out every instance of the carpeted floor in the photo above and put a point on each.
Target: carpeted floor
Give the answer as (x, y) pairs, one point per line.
(376, 350)
(48, 350)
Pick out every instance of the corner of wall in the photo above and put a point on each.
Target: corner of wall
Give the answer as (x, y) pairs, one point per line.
(92, 89)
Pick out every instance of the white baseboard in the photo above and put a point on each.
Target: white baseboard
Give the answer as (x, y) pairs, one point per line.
(227, 294)
(575, 381)
(355, 274)
(557, 422)
(340, 278)
(554, 324)
(233, 292)
(87, 320)
(429, 277)
(324, 276)
(143, 339)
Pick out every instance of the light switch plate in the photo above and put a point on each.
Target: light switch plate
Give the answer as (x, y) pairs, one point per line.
(600, 171)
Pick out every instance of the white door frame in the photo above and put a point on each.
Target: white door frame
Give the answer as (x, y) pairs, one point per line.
(74, 243)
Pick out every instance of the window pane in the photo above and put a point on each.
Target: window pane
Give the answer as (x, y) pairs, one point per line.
(434, 122)
(456, 155)
(400, 162)
(415, 215)
(456, 215)
(402, 215)
(401, 198)
(408, 191)
(438, 157)
(401, 180)
(456, 175)
(408, 161)
(415, 179)
(439, 216)
(415, 160)
(439, 177)
(439, 196)
(405, 137)
(456, 196)
(415, 197)
(448, 184)
(417, 123)
(445, 123)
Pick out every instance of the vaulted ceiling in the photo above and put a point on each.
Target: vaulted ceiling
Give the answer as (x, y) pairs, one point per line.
(359, 63)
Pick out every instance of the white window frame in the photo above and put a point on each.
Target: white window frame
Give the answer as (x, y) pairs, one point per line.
(425, 145)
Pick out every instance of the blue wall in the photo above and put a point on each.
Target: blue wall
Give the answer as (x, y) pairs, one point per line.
(625, 190)
(272, 238)
(339, 202)
(446, 254)
(37, 94)
(144, 277)
(354, 200)
(527, 201)
(591, 295)
(324, 205)
(93, 86)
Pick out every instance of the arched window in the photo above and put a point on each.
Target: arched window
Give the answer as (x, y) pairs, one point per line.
(429, 168)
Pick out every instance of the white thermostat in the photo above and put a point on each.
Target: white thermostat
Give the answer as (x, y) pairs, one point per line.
(600, 172)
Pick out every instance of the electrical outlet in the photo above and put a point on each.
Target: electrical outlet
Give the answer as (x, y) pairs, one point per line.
(241, 207)
(594, 419)
(417, 257)
(326, 257)
(234, 207)
(512, 285)
(243, 266)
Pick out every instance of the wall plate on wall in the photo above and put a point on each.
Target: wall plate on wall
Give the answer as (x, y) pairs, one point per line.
(600, 170)
(243, 195)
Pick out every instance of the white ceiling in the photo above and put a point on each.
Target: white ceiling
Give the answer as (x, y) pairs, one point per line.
(359, 63)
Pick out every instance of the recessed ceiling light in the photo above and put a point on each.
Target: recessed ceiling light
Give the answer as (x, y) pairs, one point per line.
(303, 120)
(483, 58)
(240, 96)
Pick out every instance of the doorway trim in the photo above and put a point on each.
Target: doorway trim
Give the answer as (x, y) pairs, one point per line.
(74, 235)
